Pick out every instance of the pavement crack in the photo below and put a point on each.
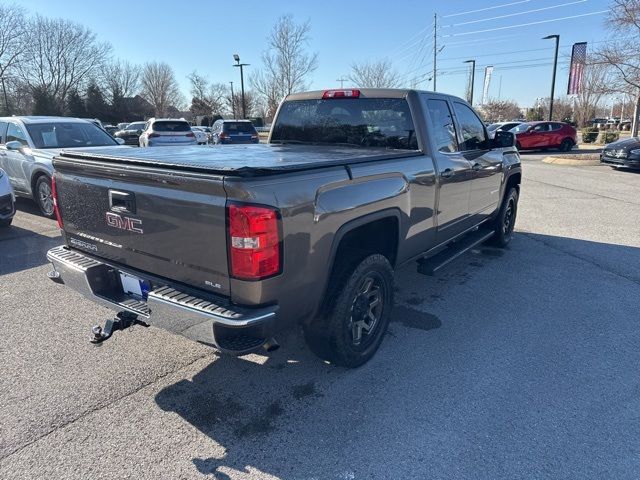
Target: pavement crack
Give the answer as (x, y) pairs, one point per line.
(97, 408)
(582, 191)
(531, 236)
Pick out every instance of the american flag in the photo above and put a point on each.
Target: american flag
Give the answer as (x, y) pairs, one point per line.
(578, 59)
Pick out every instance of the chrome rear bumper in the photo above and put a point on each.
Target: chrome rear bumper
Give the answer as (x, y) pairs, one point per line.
(228, 327)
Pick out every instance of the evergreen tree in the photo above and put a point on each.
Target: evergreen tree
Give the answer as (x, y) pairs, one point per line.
(75, 105)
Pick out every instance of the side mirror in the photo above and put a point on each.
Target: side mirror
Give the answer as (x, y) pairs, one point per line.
(120, 141)
(503, 139)
(14, 145)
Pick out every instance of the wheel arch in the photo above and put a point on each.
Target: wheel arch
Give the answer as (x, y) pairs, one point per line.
(34, 179)
(355, 229)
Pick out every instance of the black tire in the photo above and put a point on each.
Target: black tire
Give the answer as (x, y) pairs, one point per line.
(566, 145)
(5, 223)
(43, 197)
(341, 334)
(505, 220)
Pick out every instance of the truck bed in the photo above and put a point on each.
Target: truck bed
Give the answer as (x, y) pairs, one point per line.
(239, 160)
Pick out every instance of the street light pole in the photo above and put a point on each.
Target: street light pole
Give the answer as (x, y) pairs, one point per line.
(236, 57)
(473, 78)
(555, 67)
(233, 102)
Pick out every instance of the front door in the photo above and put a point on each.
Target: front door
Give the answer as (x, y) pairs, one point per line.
(453, 169)
(15, 160)
(486, 164)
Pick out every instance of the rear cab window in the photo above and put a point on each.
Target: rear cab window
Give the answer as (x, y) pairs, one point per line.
(358, 122)
(171, 126)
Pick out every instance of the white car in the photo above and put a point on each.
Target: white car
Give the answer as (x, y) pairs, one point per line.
(202, 137)
(159, 132)
(7, 200)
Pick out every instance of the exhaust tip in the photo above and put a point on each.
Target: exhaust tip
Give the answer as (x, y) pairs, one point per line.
(271, 345)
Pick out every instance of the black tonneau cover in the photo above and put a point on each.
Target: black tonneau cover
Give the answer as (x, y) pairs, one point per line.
(240, 160)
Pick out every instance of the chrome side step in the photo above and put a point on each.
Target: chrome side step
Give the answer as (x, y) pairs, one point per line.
(431, 265)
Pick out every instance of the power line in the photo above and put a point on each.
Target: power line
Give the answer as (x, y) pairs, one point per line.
(513, 14)
(485, 9)
(526, 24)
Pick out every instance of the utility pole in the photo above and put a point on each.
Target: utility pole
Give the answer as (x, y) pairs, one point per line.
(233, 102)
(553, 77)
(473, 79)
(341, 80)
(236, 57)
(435, 48)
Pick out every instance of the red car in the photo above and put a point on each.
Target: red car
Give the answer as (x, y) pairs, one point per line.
(543, 135)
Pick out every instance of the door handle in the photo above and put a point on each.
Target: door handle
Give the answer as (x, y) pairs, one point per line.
(122, 201)
(447, 173)
(476, 166)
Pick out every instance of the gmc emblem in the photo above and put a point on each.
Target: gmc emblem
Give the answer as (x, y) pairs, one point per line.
(124, 223)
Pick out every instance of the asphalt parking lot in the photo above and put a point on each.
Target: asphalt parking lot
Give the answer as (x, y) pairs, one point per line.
(520, 363)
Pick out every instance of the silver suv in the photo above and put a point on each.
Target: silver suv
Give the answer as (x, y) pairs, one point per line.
(167, 131)
(28, 145)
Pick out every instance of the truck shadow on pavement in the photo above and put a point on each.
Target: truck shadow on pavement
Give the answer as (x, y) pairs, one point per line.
(21, 249)
(255, 405)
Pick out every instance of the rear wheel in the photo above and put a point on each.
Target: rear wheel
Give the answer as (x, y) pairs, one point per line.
(356, 319)
(566, 145)
(505, 222)
(43, 196)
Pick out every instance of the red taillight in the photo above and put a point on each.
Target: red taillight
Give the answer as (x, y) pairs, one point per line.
(254, 241)
(54, 194)
(223, 135)
(191, 134)
(340, 94)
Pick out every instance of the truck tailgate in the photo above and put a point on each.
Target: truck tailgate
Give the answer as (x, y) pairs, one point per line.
(168, 223)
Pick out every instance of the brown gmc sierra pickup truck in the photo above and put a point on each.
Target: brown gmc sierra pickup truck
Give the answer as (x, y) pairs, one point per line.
(228, 244)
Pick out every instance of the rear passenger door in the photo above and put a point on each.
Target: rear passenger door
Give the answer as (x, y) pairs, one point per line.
(453, 169)
(486, 164)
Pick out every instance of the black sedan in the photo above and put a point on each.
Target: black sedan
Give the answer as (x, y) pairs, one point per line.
(131, 133)
(623, 153)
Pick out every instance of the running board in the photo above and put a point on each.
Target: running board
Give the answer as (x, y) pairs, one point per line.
(431, 265)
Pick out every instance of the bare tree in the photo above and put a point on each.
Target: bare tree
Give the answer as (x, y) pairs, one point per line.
(378, 74)
(286, 63)
(620, 53)
(252, 104)
(11, 44)
(60, 55)
(207, 98)
(121, 79)
(595, 85)
(500, 110)
(160, 88)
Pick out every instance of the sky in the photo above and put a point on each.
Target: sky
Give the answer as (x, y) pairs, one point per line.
(203, 36)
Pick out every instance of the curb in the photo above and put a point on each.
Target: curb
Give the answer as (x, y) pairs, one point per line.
(570, 161)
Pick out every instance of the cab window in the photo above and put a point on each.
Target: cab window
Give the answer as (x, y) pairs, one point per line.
(15, 133)
(442, 128)
(472, 129)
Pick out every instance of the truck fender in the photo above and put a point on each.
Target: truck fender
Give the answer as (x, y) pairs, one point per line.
(348, 227)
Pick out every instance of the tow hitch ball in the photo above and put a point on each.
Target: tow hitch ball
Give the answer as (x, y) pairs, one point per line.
(121, 321)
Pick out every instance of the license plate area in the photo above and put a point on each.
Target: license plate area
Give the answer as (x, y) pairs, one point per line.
(132, 285)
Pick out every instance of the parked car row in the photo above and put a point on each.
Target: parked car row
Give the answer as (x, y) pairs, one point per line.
(171, 131)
